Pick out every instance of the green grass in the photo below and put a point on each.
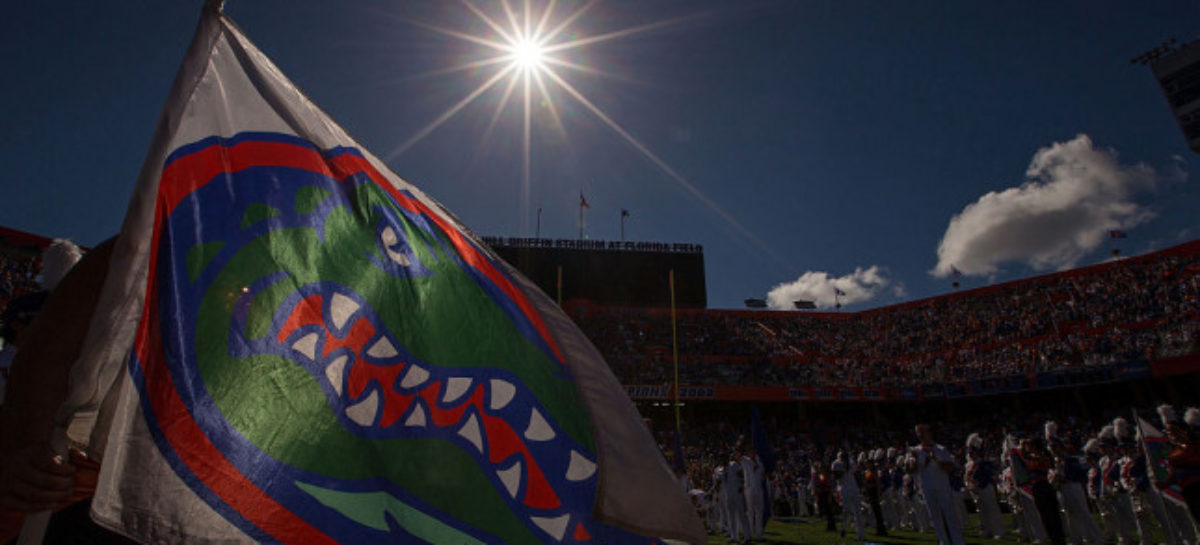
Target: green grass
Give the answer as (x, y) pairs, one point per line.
(811, 531)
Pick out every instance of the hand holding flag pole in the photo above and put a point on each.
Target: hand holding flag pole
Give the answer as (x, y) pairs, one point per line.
(33, 530)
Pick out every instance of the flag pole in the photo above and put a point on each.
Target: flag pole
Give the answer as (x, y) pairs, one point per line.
(623, 225)
(674, 347)
(537, 233)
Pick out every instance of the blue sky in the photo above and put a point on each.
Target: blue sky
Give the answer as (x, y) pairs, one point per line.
(839, 135)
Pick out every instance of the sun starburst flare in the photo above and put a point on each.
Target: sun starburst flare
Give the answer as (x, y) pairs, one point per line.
(526, 51)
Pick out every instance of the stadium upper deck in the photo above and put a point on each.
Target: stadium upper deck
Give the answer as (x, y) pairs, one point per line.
(1094, 323)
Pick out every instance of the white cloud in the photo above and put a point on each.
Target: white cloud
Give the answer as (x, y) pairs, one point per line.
(818, 286)
(1072, 196)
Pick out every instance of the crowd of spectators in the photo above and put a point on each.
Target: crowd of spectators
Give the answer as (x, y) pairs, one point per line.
(18, 274)
(1134, 309)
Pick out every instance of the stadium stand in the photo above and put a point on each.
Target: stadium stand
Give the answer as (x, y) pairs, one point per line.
(20, 261)
(1141, 309)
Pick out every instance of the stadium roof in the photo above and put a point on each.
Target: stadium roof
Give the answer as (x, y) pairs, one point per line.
(21, 239)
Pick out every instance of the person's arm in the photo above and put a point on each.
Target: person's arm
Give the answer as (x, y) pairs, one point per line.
(32, 478)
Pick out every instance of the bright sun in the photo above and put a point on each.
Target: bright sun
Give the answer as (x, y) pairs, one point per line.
(528, 54)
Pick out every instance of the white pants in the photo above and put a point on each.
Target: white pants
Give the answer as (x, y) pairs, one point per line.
(946, 523)
(888, 503)
(722, 514)
(852, 508)
(991, 520)
(903, 511)
(1080, 524)
(755, 514)
(1129, 530)
(1181, 518)
(920, 514)
(714, 513)
(1154, 503)
(960, 507)
(1031, 521)
(1108, 516)
(736, 526)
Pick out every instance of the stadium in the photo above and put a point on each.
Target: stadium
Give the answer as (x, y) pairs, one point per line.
(292, 337)
(1080, 347)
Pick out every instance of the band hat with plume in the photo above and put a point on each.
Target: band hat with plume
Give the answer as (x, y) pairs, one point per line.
(1107, 436)
(1167, 414)
(57, 260)
(1192, 417)
(1122, 430)
(974, 443)
(1051, 431)
(1092, 446)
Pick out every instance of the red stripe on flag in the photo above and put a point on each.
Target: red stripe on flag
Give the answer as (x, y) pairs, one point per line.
(203, 458)
(193, 171)
(189, 442)
(216, 472)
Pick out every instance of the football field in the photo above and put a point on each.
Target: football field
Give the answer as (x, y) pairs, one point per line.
(811, 531)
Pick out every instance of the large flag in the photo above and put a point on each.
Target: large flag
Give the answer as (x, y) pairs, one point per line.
(323, 354)
(1158, 448)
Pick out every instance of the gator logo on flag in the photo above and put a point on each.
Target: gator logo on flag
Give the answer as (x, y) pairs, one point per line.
(324, 358)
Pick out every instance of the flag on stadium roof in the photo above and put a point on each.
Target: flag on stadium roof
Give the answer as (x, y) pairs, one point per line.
(838, 292)
(1116, 234)
(323, 354)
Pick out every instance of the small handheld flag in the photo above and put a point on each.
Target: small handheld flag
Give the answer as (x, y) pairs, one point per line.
(1157, 449)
